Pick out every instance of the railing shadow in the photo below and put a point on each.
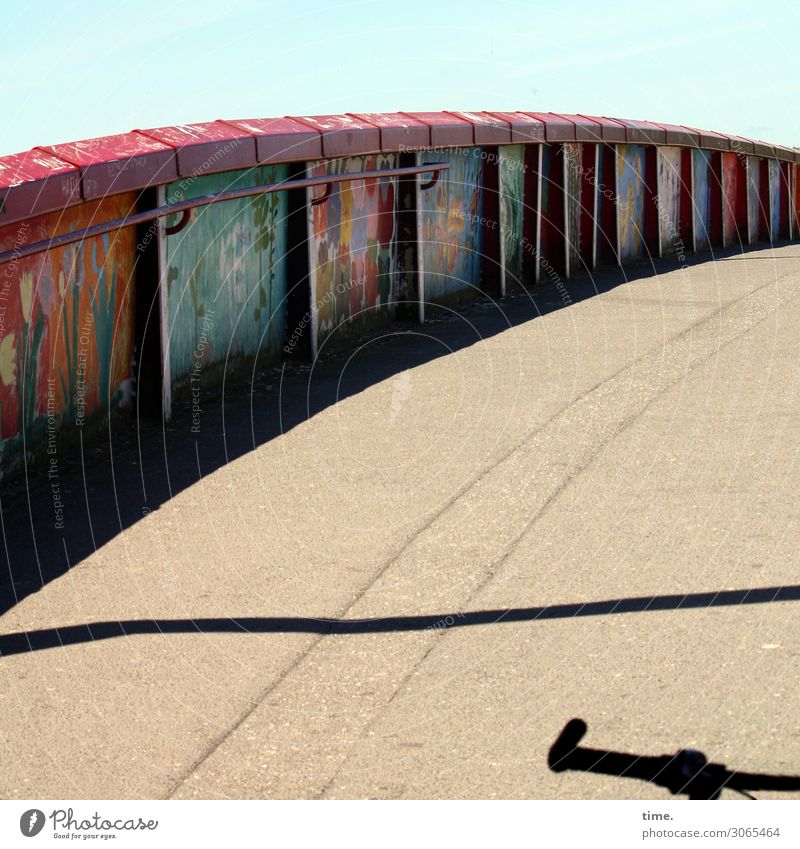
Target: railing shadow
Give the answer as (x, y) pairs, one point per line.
(47, 638)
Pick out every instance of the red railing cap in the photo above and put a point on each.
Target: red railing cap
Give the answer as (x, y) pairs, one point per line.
(556, 128)
(344, 135)
(120, 163)
(447, 129)
(398, 130)
(611, 131)
(487, 128)
(207, 148)
(281, 139)
(35, 182)
(524, 128)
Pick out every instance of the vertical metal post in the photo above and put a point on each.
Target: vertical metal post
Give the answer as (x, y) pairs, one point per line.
(537, 272)
(163, 299)
(420, 246)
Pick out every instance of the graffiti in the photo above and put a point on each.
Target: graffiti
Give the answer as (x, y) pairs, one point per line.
(512, 204)
(353, 244)
(702, 199)
(630, 203)
(669, 198)
(450, 232)
(230, 262)
(66, 325)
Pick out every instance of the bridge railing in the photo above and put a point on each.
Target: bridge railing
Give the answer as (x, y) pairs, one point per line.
(109, 291)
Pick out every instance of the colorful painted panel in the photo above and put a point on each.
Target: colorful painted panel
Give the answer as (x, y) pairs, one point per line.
(795, 199)
(353, 246)
(774, 199)
(630, 203)
(573, 185)
(702, 199)
(753, 198)
(226, 277)
(450, 219)
(669, 200)
(66, 325)
(512, 205)
(730, 190)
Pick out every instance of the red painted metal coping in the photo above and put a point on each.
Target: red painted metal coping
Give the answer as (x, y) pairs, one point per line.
(447, 129)
(121, 163)
(487, 128)
(556, 128)
(35, 182)
(50, 178)
(523, 127)
(611, 131)
(202, 148)
(398, 131)
(643, 132)
(678, 135)
(344, 135)
(586, 129)
(281, 139)
(711, 140)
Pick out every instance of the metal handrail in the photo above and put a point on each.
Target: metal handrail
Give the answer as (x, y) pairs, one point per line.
(186, 206)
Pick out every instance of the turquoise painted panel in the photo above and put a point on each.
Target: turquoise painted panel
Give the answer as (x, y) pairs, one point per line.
(669, 199)
(450, 219)
(702, 199)
(512, 204)
(226, 273)
(753, 197)
(630, 200)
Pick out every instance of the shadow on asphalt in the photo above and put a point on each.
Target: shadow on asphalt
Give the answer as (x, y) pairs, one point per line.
(687, 772)
(48, 638)
(132, 468)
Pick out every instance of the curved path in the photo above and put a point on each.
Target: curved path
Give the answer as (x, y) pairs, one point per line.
(546, 508)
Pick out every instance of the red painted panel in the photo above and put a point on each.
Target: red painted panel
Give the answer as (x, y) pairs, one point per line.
(344, 135)
(447, 130)
(678, 135)
(556, 128)
(120, 163)
(487, 128)
(586, 129)
(281, 139)
(643, 132)
(36, 182)
(206, 148)
(523, 127)
(398, 131)
(710, 140)
(610, 130)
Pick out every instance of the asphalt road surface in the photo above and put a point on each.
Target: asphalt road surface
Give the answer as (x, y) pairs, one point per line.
(400, 573)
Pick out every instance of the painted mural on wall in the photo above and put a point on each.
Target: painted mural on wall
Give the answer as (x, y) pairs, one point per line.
(573, 201)
(774, 199)
(353, 245)
(701, 199)
(450, 228)
(66, 326)
(795, 199)
(512, 205)
(730, 190)
(669, 200)
(226, 274)
(631, 199)
(753, 198)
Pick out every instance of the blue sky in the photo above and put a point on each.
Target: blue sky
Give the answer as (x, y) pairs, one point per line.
(74, 70)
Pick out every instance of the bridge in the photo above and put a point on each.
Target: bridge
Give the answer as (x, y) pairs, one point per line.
(353, 456)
